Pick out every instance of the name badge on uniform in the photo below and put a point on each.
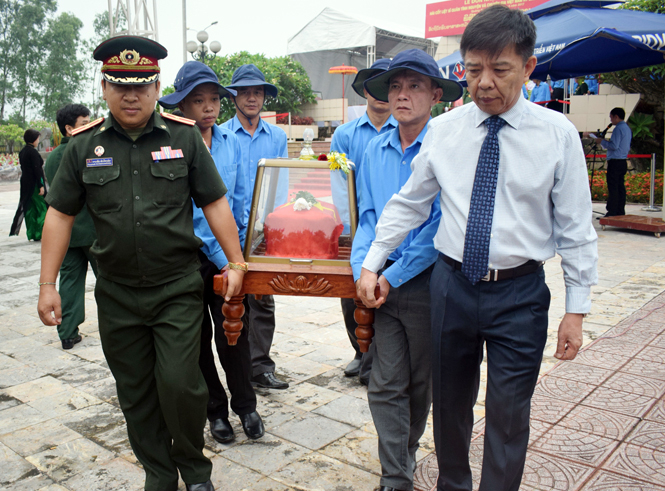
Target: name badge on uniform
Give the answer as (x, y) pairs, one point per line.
(167, 153)
(107, 162)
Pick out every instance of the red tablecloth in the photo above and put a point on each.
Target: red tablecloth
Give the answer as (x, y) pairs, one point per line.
(310, 234)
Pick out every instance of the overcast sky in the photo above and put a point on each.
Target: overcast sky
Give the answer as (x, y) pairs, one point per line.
(257, 26)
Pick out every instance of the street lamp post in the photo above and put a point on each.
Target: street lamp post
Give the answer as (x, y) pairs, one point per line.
(200, 51)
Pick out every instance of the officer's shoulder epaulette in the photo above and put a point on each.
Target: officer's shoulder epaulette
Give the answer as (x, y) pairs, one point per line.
(179, 119)
(86, 127)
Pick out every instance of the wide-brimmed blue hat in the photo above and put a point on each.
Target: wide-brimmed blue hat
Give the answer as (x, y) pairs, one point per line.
(190, 75)
(377, 67)
(250, 76)
(420, 62)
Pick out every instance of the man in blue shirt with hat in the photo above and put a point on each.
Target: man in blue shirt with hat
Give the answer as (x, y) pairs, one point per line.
(258, 140)
(198, 94)
(351, 139)
(399, 392)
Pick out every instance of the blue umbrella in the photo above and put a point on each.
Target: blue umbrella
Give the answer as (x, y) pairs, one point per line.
(579, 37)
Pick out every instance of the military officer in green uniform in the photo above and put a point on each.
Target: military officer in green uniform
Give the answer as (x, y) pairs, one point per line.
(137, 172)
(75, 265)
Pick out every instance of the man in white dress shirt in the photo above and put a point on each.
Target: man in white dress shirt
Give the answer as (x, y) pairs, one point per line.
(514, 191)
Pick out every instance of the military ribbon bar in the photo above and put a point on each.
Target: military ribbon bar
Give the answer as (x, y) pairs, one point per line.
(167, 153)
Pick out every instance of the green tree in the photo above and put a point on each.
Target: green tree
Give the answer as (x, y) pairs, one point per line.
(92, 67)
(8, 15)
(647, 81)
(62, 72)
(286, 74)
(12, 136)
(28, 33)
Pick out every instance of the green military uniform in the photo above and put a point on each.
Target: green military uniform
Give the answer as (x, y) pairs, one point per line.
(149, 291)
(75, 265)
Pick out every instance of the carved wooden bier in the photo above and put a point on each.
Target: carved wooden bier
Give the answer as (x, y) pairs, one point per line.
(301, 226)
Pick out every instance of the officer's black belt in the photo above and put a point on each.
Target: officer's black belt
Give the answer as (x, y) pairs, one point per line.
(528, 267)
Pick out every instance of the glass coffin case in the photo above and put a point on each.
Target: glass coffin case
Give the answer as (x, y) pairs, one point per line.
(301, 225)
(302, 213)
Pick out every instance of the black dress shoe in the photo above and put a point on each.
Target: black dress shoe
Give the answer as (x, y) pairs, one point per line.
(353, 368)
(364, 381)
(221, 430)
(69, 343)
(386, 488)
(204, 486)
(268, 380)
(252, 425)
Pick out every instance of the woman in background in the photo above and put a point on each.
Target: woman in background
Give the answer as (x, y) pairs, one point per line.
(31, 204)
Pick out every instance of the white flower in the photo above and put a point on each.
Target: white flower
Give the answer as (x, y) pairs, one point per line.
(301, 204)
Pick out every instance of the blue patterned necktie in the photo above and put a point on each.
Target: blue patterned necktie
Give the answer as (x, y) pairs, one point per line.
(479, 224)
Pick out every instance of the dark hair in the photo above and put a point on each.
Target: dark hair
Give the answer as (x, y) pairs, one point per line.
(69, 114)
(30, 135)
(178, 112)
(619, 112)
(497, 27)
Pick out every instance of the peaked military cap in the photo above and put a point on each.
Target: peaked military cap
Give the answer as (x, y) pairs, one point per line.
(131, 60)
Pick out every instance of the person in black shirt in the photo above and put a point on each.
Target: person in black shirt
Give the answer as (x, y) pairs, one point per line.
(31, 205)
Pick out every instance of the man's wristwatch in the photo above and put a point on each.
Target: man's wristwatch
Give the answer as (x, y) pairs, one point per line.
(239, 266)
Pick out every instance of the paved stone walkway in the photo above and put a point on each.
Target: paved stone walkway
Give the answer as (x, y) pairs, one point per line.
(61, 428)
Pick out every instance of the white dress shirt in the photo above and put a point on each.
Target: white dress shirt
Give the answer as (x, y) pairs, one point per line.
(542, 205)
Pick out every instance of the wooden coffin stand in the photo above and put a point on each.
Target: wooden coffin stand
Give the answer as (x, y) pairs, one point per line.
(300, 280)
(270, 275)
(635, 222)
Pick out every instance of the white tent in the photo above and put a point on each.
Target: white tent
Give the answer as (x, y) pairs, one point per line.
(333, 38)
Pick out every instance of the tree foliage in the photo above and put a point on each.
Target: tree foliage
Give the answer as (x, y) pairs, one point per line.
(12, 136)
(289, 76)
(38, 58)
(61, 69)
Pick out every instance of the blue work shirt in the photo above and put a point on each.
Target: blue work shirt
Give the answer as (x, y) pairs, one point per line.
(352, 138)
(268, 142)
(540, 93)
(558, 84)
(619, 144)
(225, 151)
(525, 92)
(384, 171)
(592, 83)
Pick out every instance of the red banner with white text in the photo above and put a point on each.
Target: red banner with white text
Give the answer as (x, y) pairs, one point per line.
(451, 17)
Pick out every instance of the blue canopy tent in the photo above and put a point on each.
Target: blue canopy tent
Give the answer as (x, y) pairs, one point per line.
(581, 37)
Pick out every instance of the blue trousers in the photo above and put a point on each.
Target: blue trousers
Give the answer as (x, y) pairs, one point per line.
(510, 318)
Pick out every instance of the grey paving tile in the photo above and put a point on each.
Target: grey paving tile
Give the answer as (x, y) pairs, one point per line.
(118, 474)
(14, 467)
(33, 481)
(265, 455)
(346, 409)
(38, 437)
(20, 416)
(358, 448)
(227, 474)
(81, 373)
(92, 419)
(304, 396)
(316, 471)
(312, 431)
(70, 458)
